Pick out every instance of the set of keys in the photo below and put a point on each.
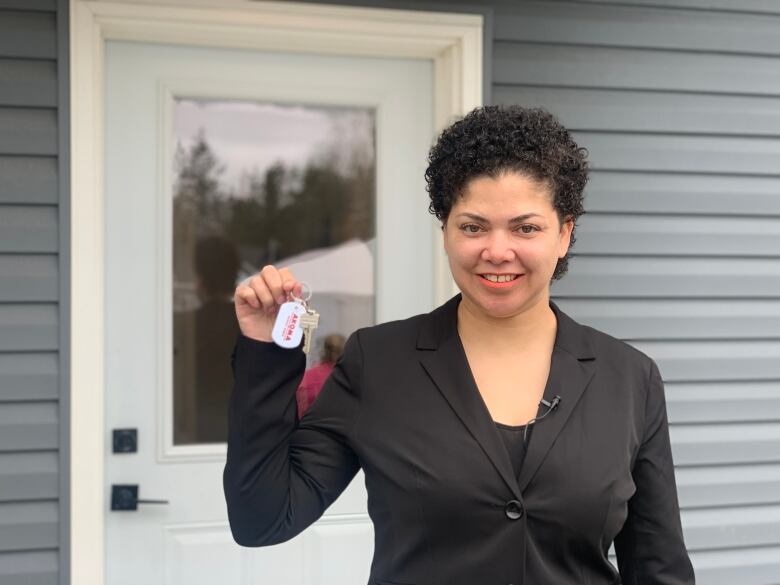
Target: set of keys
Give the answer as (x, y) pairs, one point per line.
(295, 320)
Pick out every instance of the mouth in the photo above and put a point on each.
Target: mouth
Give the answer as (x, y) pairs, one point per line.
(499, 280)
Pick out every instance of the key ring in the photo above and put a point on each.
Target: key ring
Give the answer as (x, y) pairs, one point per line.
(305, 288)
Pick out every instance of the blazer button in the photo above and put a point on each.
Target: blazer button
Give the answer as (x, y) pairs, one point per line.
(514, 510)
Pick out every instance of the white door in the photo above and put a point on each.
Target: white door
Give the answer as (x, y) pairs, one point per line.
(368, 257)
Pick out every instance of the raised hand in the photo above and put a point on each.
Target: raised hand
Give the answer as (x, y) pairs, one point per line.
(258, 298)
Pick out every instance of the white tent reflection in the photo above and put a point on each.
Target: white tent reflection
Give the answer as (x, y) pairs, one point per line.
(342, 283)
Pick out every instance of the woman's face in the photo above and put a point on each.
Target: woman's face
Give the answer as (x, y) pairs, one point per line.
(503, 240)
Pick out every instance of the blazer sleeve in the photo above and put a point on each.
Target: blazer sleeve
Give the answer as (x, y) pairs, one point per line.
(281, 474)
(650, 548)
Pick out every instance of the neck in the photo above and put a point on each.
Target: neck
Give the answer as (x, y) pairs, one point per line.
(523, 330)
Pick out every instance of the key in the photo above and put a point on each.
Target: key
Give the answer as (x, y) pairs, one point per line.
(309, 322)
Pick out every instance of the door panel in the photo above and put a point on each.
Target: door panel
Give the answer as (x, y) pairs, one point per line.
(149, 321)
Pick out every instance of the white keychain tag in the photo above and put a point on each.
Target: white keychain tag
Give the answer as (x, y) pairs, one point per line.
(287, 330)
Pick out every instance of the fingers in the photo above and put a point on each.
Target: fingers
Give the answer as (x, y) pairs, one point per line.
(289, 283)
(245, 295)
(273, 281)
(268, 288)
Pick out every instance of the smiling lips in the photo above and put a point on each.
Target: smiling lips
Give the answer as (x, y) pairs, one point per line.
(499, 280)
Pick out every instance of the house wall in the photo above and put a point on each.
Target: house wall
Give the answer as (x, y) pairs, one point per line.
(33, 281)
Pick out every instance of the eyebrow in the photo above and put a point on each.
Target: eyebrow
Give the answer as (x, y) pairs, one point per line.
(518, 219)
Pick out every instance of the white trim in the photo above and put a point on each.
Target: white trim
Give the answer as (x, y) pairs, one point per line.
(452, 41)
(164, 301)
(298, 91)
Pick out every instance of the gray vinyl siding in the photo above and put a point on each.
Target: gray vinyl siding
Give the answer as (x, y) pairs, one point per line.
(33, 277)
(678, 102)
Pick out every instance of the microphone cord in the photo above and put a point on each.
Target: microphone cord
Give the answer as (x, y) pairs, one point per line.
(550, 407)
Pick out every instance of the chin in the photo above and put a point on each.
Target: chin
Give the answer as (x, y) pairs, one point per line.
(500, 305)
(504, 309)
(496, 306)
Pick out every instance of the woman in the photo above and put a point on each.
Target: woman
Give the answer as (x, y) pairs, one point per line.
(501, 441)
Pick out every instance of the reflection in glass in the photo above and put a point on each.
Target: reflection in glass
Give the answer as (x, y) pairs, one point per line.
(256, 184)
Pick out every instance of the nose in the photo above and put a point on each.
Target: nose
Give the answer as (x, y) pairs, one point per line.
(498, 248)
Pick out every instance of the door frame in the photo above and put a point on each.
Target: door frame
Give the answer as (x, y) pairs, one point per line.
(453, 42)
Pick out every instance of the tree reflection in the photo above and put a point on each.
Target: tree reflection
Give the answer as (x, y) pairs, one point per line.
(223, 234)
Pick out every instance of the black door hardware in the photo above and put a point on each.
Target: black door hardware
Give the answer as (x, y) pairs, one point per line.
(125, 497)
(125, 440)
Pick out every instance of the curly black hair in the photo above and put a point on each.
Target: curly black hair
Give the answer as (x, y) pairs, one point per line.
(492, 140)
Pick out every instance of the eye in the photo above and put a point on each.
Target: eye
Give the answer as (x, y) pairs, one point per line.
(470, 228)
(527, 228)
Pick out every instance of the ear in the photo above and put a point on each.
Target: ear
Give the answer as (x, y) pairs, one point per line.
(444, 235)
(567, 227)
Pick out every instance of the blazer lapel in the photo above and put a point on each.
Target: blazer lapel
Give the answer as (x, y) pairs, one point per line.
(570, 374)
(571, 370)
(449, 370)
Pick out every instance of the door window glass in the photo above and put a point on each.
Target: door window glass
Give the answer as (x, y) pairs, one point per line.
(259, 183)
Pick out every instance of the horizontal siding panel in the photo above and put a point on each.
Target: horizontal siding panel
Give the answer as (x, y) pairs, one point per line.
(723, 402)
(45, 5)
(25, 82)
(732, 527)
(26, 426)
(720, 444)
(763, 6)
(28, 180)
(681, 154)
(637, 111)
(28, 525)
(28, 229)
(678, 236)
(759, 566)
(633, 69)
(702, 487)
(670, 278)
(28, 131)
(28, 34)
(625, 192)
(29, 327)
(29, 376)
(704, 361)
(29, 568)
(567, 23)
(28, 476)
(28, 278)
(678, 319)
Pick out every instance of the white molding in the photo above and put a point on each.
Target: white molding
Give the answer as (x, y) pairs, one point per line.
(164, 216)
(299, 91)
(452, 41)
(88, 499)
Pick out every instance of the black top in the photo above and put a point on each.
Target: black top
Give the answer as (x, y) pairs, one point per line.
(513, 440)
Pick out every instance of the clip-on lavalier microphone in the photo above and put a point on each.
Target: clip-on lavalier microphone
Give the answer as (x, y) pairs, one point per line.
(550, 407)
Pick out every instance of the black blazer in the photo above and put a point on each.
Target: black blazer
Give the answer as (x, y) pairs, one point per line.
(446, 506)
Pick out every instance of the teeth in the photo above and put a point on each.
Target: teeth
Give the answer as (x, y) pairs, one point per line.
(499, 278)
